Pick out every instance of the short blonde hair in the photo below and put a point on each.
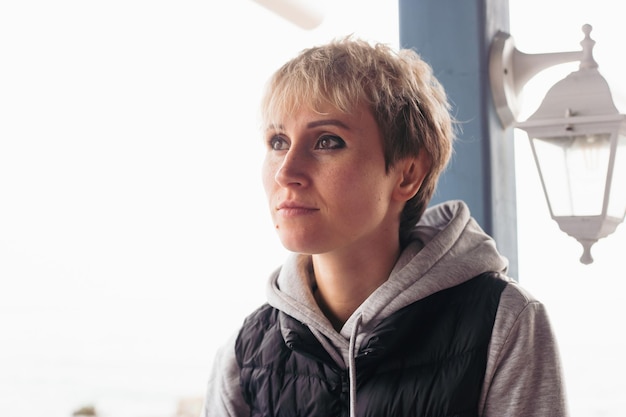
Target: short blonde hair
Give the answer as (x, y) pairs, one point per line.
(407, 101)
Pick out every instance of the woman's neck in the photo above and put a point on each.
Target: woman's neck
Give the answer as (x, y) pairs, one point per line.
(344, 282)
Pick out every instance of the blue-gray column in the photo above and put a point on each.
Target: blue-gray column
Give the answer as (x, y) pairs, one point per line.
(454, 37)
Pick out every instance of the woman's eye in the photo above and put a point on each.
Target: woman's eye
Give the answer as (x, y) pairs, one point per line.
(278, 143)
(329, 142)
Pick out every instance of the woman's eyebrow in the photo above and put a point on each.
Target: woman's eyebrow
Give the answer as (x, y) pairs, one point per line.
(326, 122)
(310, 125)
(275, 128)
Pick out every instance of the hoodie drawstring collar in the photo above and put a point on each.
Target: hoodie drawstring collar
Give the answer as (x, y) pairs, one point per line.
(352, 365)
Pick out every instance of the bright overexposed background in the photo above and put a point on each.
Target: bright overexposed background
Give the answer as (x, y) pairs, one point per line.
(134, 235)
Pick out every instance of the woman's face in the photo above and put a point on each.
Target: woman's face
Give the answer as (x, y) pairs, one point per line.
(326, 183)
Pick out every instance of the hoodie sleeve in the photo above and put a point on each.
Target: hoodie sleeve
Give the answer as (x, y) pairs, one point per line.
(223, 397)
(524, 376)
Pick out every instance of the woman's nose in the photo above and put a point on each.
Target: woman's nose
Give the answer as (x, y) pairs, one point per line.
(292, 170)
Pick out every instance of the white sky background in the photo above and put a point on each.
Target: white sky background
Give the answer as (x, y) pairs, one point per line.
(134, 234)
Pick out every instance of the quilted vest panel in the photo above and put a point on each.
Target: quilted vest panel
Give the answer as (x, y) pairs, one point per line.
(427, 359)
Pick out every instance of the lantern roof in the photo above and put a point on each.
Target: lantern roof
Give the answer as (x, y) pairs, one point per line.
(583, 93)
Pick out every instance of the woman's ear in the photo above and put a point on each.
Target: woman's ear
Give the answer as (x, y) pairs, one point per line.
(411, 174)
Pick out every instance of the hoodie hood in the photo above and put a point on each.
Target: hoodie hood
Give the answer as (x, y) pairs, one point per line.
(447, 247)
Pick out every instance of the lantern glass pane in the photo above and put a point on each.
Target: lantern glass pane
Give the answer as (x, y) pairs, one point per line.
(617, 200)
(574, 171)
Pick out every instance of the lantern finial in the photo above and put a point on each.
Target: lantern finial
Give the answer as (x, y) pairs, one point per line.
(586, 257)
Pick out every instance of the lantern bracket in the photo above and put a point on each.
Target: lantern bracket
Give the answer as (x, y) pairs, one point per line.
(510, 69)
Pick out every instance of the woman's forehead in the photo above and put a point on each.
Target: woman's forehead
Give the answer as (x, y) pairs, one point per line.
(281, 115)
(284, 106)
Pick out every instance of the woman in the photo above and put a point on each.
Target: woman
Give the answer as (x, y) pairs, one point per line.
(384, 308)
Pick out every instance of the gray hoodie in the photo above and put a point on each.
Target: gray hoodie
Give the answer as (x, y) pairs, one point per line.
(523, 374)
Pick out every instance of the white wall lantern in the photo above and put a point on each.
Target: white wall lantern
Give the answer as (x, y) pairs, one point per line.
(577, 135)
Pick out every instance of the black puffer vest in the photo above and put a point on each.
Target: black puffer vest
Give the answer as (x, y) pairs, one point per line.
(427, 359)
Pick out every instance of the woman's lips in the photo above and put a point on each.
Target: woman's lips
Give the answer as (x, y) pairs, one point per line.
(290, 208)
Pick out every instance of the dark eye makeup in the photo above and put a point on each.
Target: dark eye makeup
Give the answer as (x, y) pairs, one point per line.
(330, 142)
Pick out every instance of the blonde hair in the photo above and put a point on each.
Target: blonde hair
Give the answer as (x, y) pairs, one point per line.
(407, 101)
